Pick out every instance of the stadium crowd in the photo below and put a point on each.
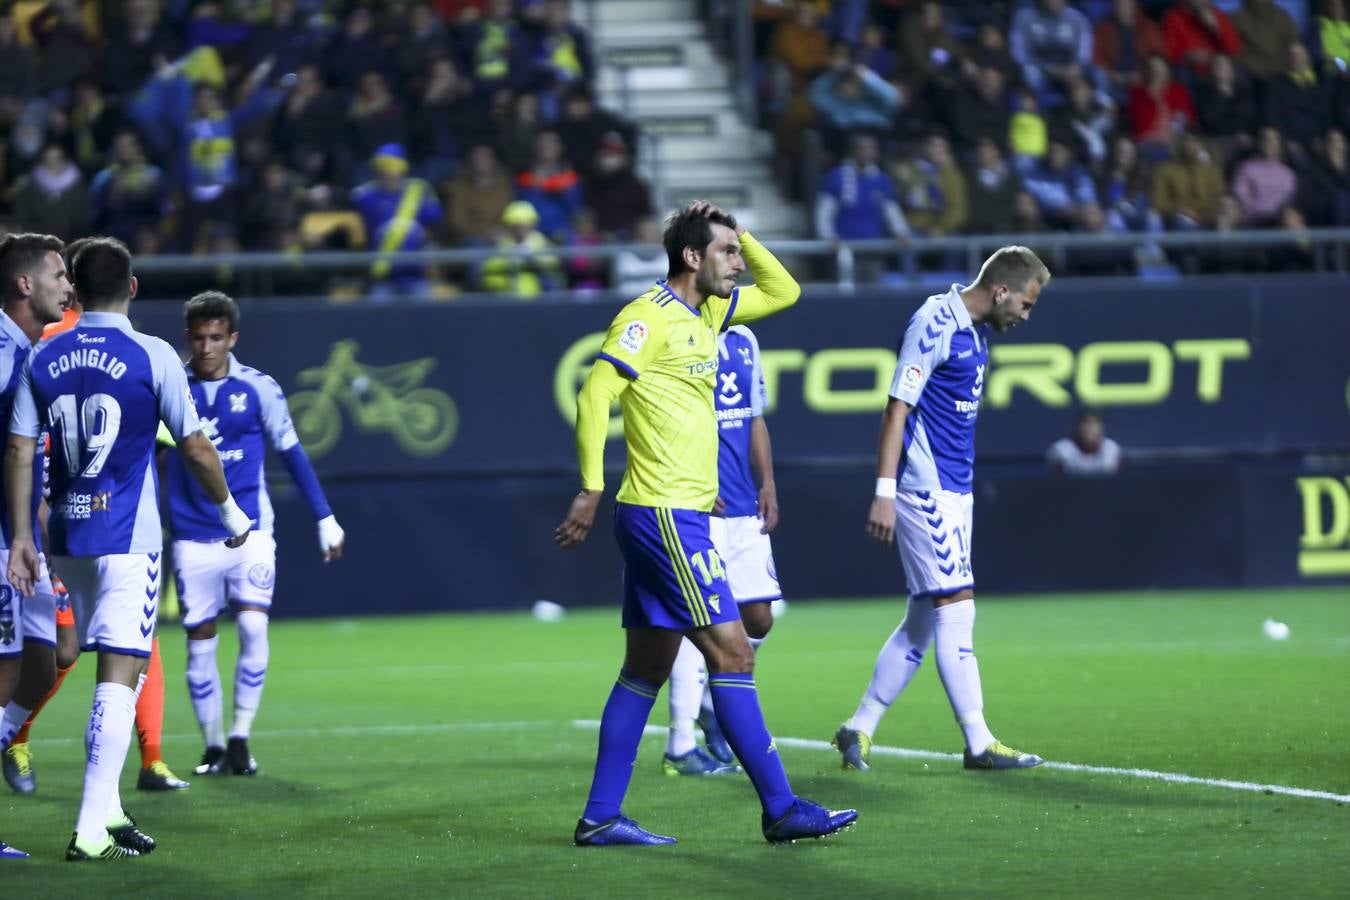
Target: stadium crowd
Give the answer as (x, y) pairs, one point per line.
(289, 125)
(1105, 116)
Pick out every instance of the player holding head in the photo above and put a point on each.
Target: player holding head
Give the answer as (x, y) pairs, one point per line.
(923, 499)
(242, 411)
(101, 390)
(747, 504)
(33, 291)
(155, 774)
(659, 360)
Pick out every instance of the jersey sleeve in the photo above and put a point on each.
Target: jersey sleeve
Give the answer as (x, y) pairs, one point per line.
(635, 338)
(23, 419)
(924, 348)
(176, 407)
(774, 289)
(275, 414)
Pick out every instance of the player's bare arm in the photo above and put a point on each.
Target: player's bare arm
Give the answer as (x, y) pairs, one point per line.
(24, 565)
(761, 460)
(881, 516)
(204, 463)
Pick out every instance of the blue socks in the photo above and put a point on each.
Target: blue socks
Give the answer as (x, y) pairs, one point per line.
(621, 725)
(737, 705)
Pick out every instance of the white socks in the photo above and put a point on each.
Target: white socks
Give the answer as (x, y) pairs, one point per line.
(897, 662)
(251, 670)
(15, 716)
(203, 680)
(687, 678)
(107, 740)
(960, 671)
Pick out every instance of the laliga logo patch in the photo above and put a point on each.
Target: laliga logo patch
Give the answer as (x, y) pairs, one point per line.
(634, 336)
(262, 577)
(911, 378)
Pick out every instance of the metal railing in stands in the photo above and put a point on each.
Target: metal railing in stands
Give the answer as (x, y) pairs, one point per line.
(255, 273)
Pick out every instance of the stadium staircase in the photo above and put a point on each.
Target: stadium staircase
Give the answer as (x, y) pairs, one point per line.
(658, 67)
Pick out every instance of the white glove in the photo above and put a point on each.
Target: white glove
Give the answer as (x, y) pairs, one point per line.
(235, 520)
(331, 535)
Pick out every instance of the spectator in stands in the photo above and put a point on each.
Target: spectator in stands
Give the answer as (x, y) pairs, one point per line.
(1226, 107)
(930, 58)
(1195, 31)
(1296, 102)
(635, 271)
(1084, 123)
(1052, 42)
(1026, 215)
(356, 51)
(68, 50)
(851, 97)
(561, 53)
(92, 123)
(52, 198)
(271, 211)
(585, 273)
(1333, 35)
(1188, 187)
(1266, 31)
(1124, 190)
(1298, 255)
(1222, 256)
(1159, 107)
(1264, 184)
(857, 200)
(1060, 185)
(989, 50)
(584, 125)
(619, 198)
(873, 52)
(1324, 183)
(932, 190)
(517, 126)
(1121, 43)
(310, 128)
(516, 273)
(286, 38)
(130, 194)
(399, 213)
(800, 46)
(552, 187)
(993, 187)
(1103, 260)
(980, 109)
(376, 117)
(1028, 133)
(477, 196)
(422, 40)
(18, 76)
(449, 117)
(1087, 451)
(487, 45)
(136, 46)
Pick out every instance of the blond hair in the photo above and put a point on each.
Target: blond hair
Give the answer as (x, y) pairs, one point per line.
(1014, 266)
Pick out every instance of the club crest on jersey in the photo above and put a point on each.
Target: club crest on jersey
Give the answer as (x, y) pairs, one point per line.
(239, 402)
(634, 336)
(911, 378)
(731, 394)
(978, 387)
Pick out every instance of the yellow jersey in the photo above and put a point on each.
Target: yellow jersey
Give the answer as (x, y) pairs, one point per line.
(667, 351)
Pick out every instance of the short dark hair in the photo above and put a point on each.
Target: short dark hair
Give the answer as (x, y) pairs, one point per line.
(73, 249)
(212, 305)
(686, 228)
(20, 254)
(101, 272)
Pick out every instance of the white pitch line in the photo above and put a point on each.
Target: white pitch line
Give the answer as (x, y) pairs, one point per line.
(1151, 774)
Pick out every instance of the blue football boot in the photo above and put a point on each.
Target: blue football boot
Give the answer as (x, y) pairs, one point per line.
(616, 832)
(807, 819)
(715, 739)
(696, 762)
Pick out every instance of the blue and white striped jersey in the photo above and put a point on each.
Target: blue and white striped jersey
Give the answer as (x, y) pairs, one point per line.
(14, 350)
(101, 389)
(940, 372)
(242, 413)
(740, 397)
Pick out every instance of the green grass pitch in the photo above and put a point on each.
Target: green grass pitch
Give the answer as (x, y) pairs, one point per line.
(438, 756)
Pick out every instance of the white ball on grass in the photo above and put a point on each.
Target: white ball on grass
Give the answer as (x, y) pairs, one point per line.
(1276, 631)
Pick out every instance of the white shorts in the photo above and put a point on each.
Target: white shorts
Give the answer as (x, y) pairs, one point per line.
(932, 530)
(211, 576)
(747, 556)
(115, 599)
(25, 619)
